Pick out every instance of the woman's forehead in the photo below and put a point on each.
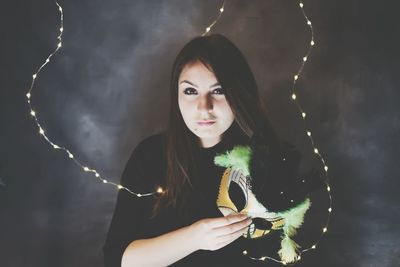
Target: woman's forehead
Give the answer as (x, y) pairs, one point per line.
(197, 74)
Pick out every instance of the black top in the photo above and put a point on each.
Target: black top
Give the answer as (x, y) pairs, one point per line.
(144, 171)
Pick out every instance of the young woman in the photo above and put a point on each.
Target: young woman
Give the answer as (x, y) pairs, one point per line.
(214, 105)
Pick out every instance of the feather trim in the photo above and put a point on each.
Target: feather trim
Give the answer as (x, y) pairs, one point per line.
(289, 250)
(294, 218)
(238, 158)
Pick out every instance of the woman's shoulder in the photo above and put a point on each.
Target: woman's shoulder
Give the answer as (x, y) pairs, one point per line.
(146, 164)
(152, 143)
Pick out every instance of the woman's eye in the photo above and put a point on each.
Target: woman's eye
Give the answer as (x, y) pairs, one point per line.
(188, 90)
(220, 90)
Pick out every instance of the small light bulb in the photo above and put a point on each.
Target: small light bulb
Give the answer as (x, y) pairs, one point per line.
(296, 77)
(330, 209)
(56, 147)
(41, 131)
(139, 195)
(315, 150)
(263, 258)
(119, 186)
(159, 189)
(244, 252)
(312, 43)
(308, 133)
(309, 22)
(293, 96)
(86, 169)
(301, 4)
(208, 29)
(298, 257)
(97, 175)
(325, 229)
(105, 181)
(303, 114)
(304, 58)
(47, 60)
(33, 113)
(326, 168)
(34, 76)
(328, 188)
(59, 44)
(314, 247)
(60, 9)
(61, 29)
(70, 155)
(28, 95)
(221, 9)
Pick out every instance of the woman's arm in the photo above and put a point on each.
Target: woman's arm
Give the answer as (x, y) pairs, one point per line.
(207, 234)
(162, 250)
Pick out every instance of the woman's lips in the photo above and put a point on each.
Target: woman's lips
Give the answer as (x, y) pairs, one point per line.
(205, 123)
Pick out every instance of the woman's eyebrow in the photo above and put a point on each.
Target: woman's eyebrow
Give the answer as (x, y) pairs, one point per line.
(185, 81)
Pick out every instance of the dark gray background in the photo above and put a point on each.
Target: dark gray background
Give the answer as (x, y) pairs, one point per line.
(107, 89)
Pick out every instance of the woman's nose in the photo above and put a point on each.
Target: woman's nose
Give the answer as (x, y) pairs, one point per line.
(205, 103)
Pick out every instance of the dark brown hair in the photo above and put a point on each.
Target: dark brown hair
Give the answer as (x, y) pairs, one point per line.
(233, 73)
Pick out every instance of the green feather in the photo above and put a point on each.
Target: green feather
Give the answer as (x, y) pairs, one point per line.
(294, 217)
(289, 250)
(238, 158)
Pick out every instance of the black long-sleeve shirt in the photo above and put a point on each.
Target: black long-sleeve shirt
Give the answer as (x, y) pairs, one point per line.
(144, 171)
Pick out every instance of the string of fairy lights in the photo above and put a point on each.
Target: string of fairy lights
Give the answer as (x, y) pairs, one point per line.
(159, 189)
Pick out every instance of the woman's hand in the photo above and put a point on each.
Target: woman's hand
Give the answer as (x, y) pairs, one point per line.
(215, 233)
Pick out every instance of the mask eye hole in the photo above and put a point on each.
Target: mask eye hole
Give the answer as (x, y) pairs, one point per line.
(237, 196)
(262, 224)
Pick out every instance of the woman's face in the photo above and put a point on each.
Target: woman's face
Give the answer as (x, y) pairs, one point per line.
(201, 98)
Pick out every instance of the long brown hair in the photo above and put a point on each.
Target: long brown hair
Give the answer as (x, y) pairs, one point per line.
(232, 71)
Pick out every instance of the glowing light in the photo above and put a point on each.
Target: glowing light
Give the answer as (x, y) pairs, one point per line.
(294, 96)
(303, 114)
(105, 181)
(159, 189)
(325, 229)
(308, 133)
(33, 113)
(315, 150)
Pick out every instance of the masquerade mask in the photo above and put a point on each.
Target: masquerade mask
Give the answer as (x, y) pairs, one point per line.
(237, 195)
